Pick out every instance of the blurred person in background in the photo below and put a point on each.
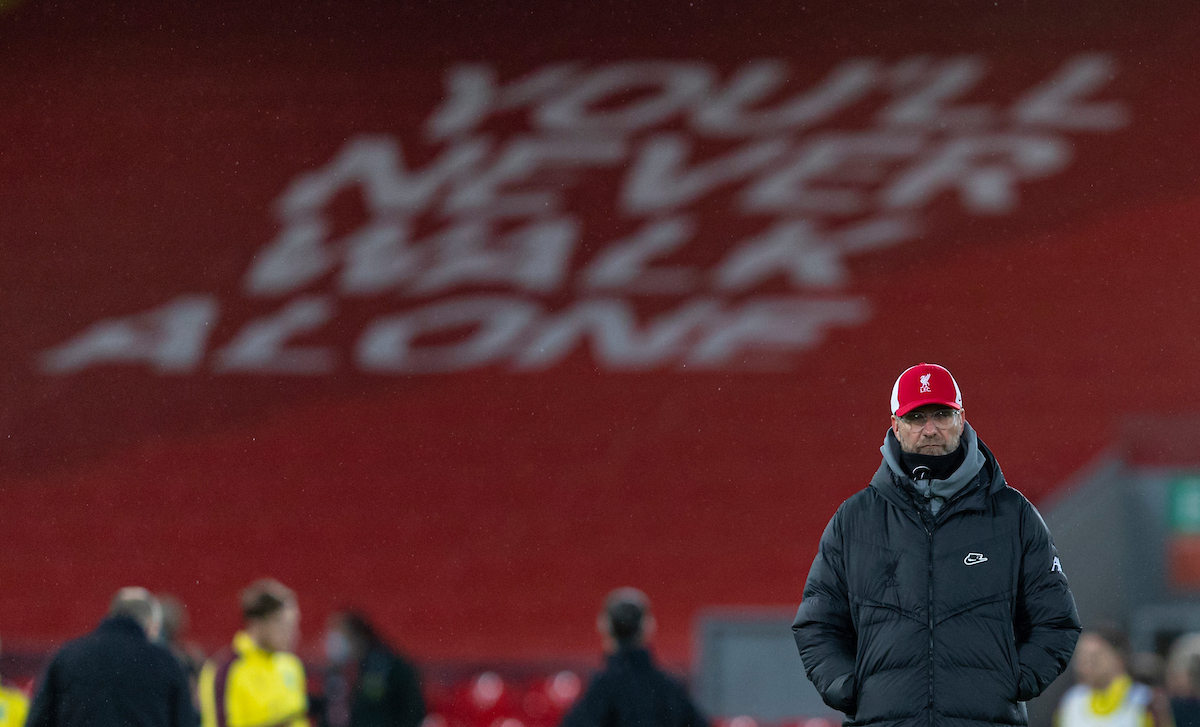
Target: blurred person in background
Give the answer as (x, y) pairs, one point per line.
(368, 684)
(116, 675)
(258, 682)
(175, 623)
(631, 691)
(1106, 695)
(1183, 680)
(13, 705)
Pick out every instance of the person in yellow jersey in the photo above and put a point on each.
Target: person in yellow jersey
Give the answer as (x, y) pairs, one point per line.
(1106, 695)
(258, 682)
(14, 706)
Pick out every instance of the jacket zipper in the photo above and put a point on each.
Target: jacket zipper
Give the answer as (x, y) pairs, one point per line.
(929, 614)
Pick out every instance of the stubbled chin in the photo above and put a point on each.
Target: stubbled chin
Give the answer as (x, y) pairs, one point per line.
(934, 449)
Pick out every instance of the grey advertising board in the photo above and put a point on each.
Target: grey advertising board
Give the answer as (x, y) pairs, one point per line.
(749, 665)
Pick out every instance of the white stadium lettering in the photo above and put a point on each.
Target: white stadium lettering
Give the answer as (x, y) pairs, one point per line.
(301, 254)
(473, 93)
(984, 170)
(391, 345)
(376, 165)
(679, 194)
(382, 256)
(171, 339)
(625, 263)
(786, 325)
(611, 328)
(792, 248)
(486, 193)
(1059, 101)
(806, 182)
(729, 112)
(807, 256)
(534, 257)
(929, 88)
(261, 345)
(660, 179)
(669, 88)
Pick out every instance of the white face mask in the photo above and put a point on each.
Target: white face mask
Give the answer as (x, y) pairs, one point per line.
(337, 647)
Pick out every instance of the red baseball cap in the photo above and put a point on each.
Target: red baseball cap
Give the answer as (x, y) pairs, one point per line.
(923, 384)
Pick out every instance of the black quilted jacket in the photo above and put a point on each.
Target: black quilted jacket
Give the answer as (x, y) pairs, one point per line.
(916, 620)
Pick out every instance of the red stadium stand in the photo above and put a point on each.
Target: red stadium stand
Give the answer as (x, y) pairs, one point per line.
(488, 700)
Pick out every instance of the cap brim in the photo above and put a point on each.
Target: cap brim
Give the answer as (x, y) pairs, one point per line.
(925, 402)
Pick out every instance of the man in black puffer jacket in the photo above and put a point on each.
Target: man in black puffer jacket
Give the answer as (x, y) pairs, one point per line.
(936, 598)
(116, 676)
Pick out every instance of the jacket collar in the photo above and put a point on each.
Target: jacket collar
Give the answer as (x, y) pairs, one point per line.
(638, 656)
(122, 624)
(940, 491)
(974, 495)
(248, 647)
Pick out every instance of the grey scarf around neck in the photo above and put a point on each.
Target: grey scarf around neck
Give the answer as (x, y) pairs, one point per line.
(937, 492)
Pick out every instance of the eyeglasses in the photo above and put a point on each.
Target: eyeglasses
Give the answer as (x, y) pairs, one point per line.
(940, 417)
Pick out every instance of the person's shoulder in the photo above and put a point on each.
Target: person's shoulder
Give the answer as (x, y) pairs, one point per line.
(1010, 500)
(1076, 692)
(618, 667)
(601, 678)
(675, 681)
(222, 657)
(220, 663)
(78, 647)
(1014, 512)
(382, 653)
(400, 661)
(601, 685)
(10, 691)
(674, 684)
(73, 645)
(287, 661)
(161, 653)
(647, 663)
(866, 497)
(1011, 503)
(1141, 694)
(862, 503)
(856, 512)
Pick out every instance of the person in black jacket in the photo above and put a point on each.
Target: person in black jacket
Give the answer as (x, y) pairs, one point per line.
(936, 597)
(116, 675)
(368, 684)
(631, 691)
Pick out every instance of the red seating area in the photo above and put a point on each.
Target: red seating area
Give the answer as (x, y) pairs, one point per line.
(487, 699)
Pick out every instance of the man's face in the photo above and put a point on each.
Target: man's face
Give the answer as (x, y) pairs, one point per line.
(281, 630)
(926, 429)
